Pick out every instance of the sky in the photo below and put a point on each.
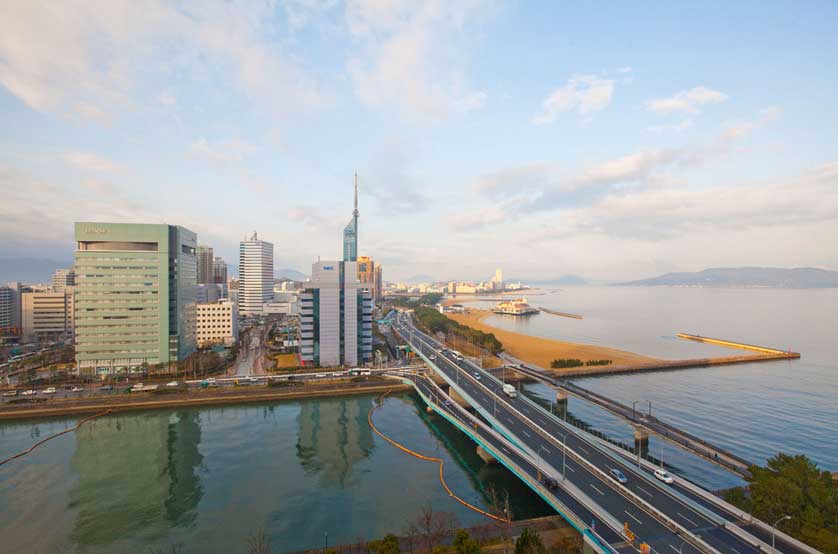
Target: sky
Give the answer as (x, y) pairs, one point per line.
(613, 140)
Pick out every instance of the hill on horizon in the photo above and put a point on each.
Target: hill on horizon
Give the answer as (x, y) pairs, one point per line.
(770, 277)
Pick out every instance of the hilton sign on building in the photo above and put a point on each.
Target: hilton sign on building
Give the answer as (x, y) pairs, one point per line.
(135, 295)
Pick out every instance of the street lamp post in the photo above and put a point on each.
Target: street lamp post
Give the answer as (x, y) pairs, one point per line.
(564, 458)
(773, 529)
(633, 410)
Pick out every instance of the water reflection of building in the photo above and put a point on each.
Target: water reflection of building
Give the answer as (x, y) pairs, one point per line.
(333, 436)
(136, 474)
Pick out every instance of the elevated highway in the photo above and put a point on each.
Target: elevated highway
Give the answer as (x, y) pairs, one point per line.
(677, 436)
(658, 514)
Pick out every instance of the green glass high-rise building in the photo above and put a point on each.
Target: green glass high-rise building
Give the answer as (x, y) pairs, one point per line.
(135, 295)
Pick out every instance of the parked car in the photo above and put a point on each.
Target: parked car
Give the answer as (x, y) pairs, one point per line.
(663, 475)
(49, 390)
(618, 476)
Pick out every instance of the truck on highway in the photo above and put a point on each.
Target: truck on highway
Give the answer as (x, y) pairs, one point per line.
(510, 391)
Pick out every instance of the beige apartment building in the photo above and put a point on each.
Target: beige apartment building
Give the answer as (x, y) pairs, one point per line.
(47, 315)
(217, 323)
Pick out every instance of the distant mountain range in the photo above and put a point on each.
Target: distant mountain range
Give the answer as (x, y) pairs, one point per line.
(772, 277)
(417, 279)
(288, 273)
(30, 270)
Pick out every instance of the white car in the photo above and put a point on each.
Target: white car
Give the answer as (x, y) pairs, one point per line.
(29, 392)
(49, 390)
(76, 389)
(663, 475)
(172, 384)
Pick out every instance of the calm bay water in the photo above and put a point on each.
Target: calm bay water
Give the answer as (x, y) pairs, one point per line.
(754, 410)
(208, 478)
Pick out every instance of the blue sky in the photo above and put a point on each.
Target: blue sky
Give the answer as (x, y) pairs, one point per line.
(611, 140)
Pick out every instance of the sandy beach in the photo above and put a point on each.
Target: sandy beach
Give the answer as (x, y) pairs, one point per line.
(541, 352)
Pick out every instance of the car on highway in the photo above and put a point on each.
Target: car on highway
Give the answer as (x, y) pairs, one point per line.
(105, 388)
(49, 390)
(549, 482)
(10, 393)
(618, 476)
(663, 475)
(432, 357)
(76, 389)
(476, 375)
(29, 392)
(172, 384)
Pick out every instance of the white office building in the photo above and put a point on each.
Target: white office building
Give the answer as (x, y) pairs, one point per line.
(256, 275)
(47, 315)
(63, 278)
(5, 308)
(217, 323)
(335, 317)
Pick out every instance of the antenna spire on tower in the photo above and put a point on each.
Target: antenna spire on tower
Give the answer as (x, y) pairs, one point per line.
(355, 213)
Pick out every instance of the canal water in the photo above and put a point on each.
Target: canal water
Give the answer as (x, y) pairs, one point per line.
(754, 410)
(305, 472)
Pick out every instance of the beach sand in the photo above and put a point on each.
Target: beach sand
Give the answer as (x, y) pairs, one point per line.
(541, 352)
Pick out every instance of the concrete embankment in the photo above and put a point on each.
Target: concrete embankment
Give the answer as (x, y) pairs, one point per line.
(661, 365)
(150, 401)
(740, 345)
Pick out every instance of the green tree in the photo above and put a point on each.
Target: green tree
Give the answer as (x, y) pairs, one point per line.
(464, 544)
(529, 542)
(388, 545)
(794, 486)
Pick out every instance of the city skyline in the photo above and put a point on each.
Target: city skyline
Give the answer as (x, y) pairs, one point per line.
(643, 148)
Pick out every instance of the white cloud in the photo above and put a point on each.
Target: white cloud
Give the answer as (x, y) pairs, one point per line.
(89, 162)
(222, 152)
(766, 117)
(412, 55)
(624, 69)
(585, 93)
(687, 101)
(93, 57)
(91, 111)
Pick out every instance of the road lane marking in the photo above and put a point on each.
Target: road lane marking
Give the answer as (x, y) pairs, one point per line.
(644, 491)
(694, 524)
(546, 450)
(632, 516)
(570, 468)
(596, 489)
(673, 548)
(585, 450)
(737, 552)
(527, 434)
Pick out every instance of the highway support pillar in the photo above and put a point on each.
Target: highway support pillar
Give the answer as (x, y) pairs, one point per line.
(485, 456)
(561, 403)
(456, 397)
(641, 440)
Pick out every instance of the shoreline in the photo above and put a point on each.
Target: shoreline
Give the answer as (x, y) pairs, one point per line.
(239, 395)
(541, 351)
